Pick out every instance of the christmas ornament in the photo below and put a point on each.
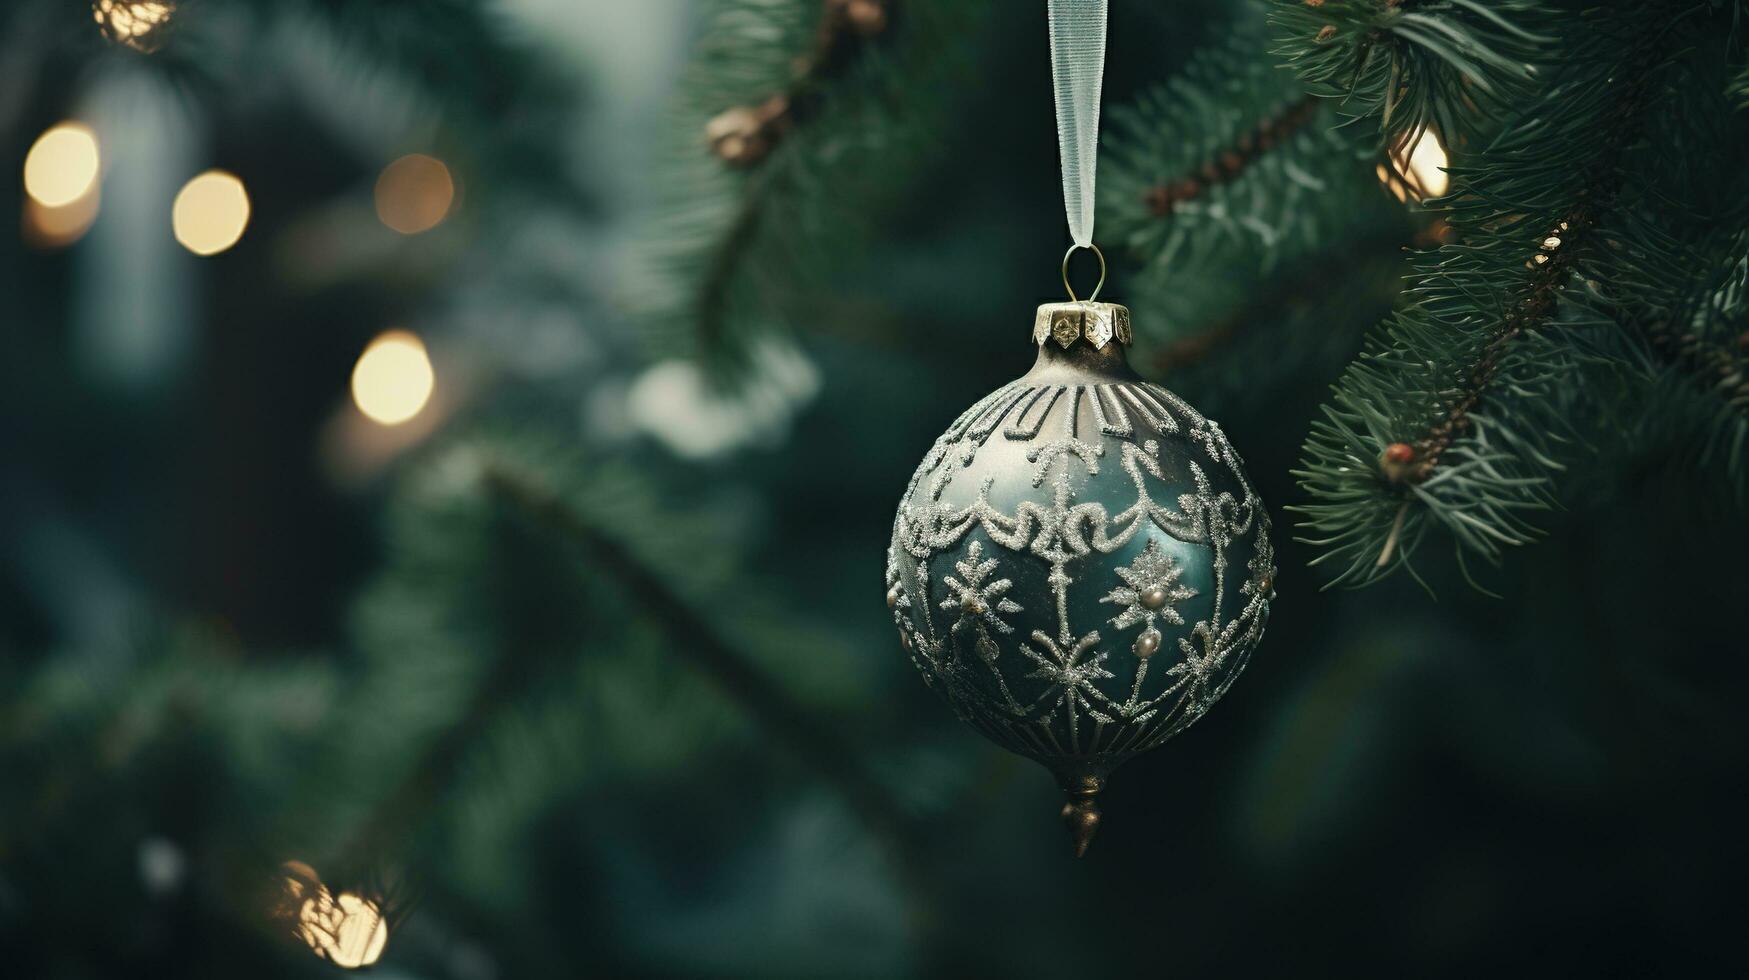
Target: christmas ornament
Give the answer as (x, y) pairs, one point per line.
(1080, 566)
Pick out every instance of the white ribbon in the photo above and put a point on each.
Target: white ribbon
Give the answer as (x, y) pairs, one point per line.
(1077, 69)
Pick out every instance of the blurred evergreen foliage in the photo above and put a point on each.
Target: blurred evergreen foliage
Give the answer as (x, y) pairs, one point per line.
(1602, 218)
(588, 672)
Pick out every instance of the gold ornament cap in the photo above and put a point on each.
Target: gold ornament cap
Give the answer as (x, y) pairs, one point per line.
(1066, 323)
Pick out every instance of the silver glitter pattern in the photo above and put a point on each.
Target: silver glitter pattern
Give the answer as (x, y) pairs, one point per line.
(973, 641)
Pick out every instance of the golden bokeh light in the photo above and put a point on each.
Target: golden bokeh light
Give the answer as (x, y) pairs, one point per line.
(62, 165)
(1418, 171)
(393, 379)
(134, 23)
(414, 194)
(348, 930)
(210, 213)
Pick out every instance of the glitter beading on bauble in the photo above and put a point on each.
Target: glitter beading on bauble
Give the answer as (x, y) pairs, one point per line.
(1080, 566)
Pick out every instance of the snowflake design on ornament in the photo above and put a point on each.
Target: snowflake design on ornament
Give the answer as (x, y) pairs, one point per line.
(1262, 580)
(1077, 523)
(1071, 678)
(1151, 589)
(1198, 668)
(975, 599)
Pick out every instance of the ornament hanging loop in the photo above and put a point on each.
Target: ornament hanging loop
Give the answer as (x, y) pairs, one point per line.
(1096, 286)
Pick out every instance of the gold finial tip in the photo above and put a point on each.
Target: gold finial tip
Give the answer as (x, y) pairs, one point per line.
(1082, 817)
(1066, 323)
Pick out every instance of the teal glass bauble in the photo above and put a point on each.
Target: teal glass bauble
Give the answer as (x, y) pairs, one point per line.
(1080, 566)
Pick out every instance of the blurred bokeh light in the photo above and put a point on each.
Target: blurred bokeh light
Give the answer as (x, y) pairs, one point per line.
(393, 379)
(414, 194)
(348, 929)
(62, 165)
(132, 22)
(1417, 171)
(210, 213)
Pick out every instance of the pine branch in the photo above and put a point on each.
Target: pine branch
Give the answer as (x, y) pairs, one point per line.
(745, 135)
(829, 102)
(1230, 165)
(1413, 65)
(1689, 364)
(1232, 185)
(1719, 371)
(1453, 416)
(696, 639)
(89, 739)
(726, 259)
(532, 505)
(397, 815)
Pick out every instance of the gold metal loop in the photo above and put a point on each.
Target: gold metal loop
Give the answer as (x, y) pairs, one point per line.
(1096, 286)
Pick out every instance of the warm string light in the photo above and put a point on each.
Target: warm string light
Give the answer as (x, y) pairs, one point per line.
(1417, 171)
(348, 930)
(61, 185)
(414, 194)
(210, 213)
(393, 379)
(134, 23)
(62, 165)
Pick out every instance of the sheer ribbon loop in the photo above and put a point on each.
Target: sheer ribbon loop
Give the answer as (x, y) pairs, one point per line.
(1077, 71)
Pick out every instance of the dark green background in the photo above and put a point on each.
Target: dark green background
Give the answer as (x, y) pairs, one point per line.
(209, 642)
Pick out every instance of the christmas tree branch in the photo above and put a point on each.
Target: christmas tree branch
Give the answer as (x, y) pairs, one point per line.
(809, 142)
(1452, 416)
(696, 639)
(713, 305)
(1231, 162)
(1413, 65)
(392, 820)
(1531, 307)
(393, 824)
(1552, 260)
(1721, 369)
(1234, 187)
(745, 135)
(1230, 166)
(1699, 366)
